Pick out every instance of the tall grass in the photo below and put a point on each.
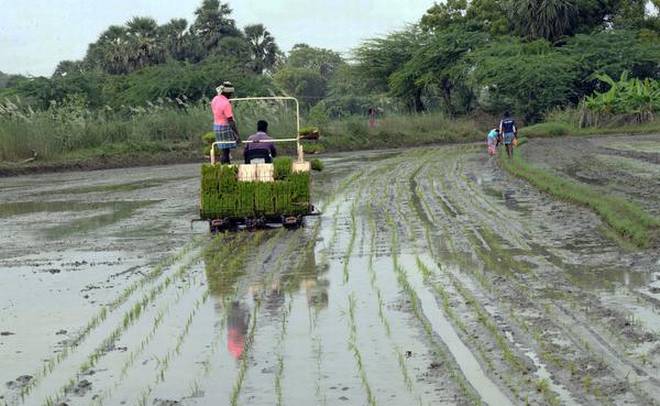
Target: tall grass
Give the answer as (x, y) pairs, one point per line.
(71, 127)
(398, 131)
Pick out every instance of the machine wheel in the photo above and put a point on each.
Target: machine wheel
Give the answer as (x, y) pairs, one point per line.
(292, 222)
(221, 226)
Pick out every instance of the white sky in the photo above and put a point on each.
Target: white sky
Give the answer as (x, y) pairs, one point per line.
(36, 34)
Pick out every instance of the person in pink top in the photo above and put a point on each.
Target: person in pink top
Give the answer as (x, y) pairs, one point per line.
(224, 125)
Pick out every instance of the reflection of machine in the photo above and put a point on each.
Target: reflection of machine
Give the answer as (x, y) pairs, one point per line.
(257, 194)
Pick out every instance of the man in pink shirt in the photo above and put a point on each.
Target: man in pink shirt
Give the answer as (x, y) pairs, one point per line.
(224, 125)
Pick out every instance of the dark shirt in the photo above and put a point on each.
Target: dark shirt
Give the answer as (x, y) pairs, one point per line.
(507, 126)
(260, 140)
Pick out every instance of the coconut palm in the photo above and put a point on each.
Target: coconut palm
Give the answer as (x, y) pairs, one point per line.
(174, 38)
(549, 19)
(144, 44)
(212, 22)
(110, 51)
(264, 51)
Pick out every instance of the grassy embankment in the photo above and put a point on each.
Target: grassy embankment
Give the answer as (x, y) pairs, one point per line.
(65, 137)
(623, 216)
(72, 137)
(567, 122)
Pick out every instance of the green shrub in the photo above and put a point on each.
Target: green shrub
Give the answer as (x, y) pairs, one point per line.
(208, 138)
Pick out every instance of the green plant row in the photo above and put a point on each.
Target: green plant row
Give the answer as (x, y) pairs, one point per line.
(222, 195)
(625, 217)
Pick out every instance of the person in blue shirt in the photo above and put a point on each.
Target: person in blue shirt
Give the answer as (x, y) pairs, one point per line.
(508, 132)
(491, 140)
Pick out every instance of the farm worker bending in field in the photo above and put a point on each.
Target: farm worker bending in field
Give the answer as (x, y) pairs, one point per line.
(509, 132)
(224, 125)
(491, 140)
(261, 145)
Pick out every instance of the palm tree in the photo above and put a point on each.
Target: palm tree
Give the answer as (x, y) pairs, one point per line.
(110, 51)
(549, 19)
(264, 51)
(144, 44)
(174, 38)
(68, 67)
(212, 22)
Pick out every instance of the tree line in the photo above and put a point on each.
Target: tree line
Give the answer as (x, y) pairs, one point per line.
(488, 55)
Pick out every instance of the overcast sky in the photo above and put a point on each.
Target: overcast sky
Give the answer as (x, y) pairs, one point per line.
(36, 34)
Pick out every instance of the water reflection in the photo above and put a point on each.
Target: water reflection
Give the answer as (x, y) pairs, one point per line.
(238, 319)
(240, 284)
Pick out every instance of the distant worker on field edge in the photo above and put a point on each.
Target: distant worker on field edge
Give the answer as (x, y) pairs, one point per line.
(491, 140)
(261, 145)
(508, 132)
(372, 117)
(224, 125)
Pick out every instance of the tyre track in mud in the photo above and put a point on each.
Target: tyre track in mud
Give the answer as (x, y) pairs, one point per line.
(582, 333)
(433, 286)
(418, 206)
(463, 358)
(395, 218)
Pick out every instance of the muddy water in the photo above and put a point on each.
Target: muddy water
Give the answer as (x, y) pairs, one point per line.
(431, 278)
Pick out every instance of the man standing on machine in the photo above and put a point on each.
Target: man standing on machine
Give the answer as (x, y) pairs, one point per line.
(224, 125)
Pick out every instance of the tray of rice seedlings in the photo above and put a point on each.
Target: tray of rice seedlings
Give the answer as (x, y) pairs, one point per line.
(208, 139)
(309, 133)
(229, 201)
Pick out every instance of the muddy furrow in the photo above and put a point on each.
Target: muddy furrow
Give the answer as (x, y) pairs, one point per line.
(486, 222)
(513, 375)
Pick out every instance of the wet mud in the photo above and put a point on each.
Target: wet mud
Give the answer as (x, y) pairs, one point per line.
(432, 277)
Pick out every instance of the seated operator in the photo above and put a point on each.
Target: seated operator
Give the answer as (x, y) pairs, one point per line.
(260, 145)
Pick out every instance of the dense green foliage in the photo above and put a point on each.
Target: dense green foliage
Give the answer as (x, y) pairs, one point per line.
(637, 98)
(224, 196)
(462, 58)
(524, 55)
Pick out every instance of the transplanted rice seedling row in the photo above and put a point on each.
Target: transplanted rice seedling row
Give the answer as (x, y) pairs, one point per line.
(353, 347)
(70, 345)
(407, 288)
(130, 317)
(487, 247)
(223, 195)
(245, 357)
(397, 350)
(445, 299)
(165, 362)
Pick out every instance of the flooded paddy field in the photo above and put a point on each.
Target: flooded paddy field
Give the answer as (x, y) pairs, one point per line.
(432, 277)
